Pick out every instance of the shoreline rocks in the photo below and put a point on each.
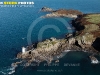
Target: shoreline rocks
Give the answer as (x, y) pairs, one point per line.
(50, 48)
(58, 15)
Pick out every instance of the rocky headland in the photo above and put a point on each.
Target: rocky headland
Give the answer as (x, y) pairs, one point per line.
(61, 13)
(85, 39)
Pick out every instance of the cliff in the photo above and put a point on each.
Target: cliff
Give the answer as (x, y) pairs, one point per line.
(88, 27)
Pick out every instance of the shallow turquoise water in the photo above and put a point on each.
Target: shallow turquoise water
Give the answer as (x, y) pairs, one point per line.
(14, 25)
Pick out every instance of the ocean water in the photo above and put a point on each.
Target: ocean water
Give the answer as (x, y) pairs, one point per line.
(14, 26)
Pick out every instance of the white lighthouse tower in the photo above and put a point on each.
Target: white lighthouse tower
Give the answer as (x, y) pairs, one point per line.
(23, 49)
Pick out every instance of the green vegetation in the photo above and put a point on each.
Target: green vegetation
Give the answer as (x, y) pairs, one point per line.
(39, 45)
(91, 27)
(93, 18)
(46, 43)
(53, 42)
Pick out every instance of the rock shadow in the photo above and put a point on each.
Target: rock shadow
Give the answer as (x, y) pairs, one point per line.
(96, 44)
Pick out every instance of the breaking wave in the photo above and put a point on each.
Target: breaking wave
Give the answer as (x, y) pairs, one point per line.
(7, 70)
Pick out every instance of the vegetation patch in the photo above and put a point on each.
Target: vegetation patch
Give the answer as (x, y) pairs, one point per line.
(93, 18)
(91, 27)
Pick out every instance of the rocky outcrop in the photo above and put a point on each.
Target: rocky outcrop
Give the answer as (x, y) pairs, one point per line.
(94, 60)
(85, 41)
(46, 9)
(63, 13)
(59, 15)
(45, 51)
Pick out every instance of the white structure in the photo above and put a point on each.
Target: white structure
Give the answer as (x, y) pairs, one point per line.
(23, 49)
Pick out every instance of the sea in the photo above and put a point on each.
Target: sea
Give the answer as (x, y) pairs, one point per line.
(22, 26)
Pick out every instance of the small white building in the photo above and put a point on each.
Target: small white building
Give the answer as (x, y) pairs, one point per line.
(23, 49)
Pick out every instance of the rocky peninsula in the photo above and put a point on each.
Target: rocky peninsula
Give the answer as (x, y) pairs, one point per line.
(85, 39)
(61, 13)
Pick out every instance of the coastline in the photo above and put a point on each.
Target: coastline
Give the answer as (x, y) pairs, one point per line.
(46, 50)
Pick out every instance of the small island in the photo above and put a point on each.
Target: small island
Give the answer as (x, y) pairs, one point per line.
(85, 39)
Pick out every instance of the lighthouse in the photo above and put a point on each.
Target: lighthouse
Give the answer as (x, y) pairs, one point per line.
(23, 49)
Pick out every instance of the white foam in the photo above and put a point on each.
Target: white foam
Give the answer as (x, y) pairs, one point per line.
(3, 72)
(67, 50)
(11, 72)
(95, 62)
(8, 70)
(61, 55)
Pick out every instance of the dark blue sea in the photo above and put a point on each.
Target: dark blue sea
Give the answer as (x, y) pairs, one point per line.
(15, 29)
